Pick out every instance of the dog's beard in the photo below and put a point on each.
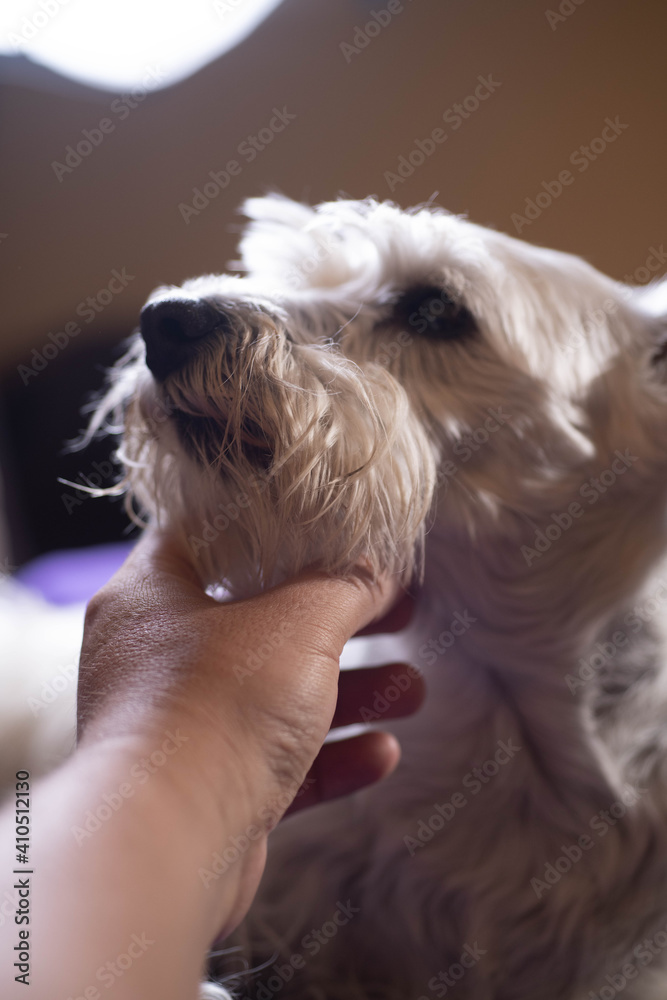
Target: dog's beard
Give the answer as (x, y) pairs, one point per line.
(280, 456)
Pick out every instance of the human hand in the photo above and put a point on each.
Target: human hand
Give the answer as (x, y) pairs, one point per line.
(255, 685)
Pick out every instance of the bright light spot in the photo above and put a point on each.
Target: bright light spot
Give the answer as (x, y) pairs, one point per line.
(122, 44)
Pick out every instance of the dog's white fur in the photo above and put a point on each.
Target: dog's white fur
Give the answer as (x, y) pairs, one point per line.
(324, 428)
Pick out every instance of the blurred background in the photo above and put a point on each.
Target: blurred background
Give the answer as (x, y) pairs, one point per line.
(130, 136)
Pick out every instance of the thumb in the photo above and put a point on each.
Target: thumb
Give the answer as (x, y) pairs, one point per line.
(339, 606)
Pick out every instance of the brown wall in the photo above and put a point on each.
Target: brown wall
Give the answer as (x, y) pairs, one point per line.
(119, 208)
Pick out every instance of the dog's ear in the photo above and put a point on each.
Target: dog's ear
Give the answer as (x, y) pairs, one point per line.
(294, 246)
(279, 211)
(652, 299)
(276, 240)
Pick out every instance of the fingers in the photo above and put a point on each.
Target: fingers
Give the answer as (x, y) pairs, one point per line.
(345, 767)
(399, 687)
(348, 765)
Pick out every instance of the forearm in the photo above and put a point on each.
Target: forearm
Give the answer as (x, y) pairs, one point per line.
(144, 931)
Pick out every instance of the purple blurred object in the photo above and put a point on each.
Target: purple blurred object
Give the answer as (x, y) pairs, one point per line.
(72, 575)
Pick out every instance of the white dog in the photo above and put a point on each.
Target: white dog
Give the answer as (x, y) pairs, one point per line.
(433, 397)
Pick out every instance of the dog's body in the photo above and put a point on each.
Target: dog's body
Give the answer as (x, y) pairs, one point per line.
(373, 365)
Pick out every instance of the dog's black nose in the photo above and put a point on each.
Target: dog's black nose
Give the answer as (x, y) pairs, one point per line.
(171, 330)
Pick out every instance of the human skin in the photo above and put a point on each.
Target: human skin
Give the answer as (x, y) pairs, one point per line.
(180, 757)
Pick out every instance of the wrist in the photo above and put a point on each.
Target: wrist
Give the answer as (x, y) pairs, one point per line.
(158, 789)
(212, 754)
(172, 751)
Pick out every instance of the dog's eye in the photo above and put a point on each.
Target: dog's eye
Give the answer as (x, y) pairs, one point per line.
(431, 312)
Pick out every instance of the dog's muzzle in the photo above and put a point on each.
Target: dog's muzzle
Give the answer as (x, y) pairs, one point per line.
(173, 330)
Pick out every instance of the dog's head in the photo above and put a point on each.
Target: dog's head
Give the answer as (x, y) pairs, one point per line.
(369, 361)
